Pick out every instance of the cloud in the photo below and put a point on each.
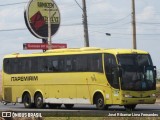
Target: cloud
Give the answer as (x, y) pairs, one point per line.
(146, 14)
(11, 18)
(101, 7)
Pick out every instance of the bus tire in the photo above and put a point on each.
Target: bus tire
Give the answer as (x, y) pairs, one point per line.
(39, 101)
(69, 106)
(4, 103)
(99, 101)
(27, 101)
(130, 107)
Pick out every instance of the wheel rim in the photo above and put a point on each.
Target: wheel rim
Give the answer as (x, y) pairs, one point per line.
(26, 100)
(39, 101)
(5, 103)
(100, 102)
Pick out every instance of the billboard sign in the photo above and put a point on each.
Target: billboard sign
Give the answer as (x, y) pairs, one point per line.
(36, 17)
(42, 46)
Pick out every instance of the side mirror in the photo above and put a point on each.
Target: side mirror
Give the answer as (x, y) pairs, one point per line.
(155, 71)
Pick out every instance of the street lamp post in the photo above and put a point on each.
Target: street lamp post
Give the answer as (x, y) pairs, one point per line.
(49, 31)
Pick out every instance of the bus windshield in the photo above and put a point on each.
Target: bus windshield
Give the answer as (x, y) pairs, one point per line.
(137, 72)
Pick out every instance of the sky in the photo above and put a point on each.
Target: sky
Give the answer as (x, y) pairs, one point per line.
(104, 16)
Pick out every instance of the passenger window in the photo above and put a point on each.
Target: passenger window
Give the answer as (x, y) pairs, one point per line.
(68, 65)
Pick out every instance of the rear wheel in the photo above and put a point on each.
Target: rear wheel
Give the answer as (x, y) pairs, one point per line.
(130, 107)
(4, 103)
(39, 101)
(69, 106)
(27, 101)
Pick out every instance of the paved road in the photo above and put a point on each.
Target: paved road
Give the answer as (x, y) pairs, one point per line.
(86, 110)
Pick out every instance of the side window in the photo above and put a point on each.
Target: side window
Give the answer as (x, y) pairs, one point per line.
(19, 65)
(14, 66)
(61, 63)
(52, 64)
(7, 65)
(34, 64)
(55, 65)
(42, 64)
(110, 69)
(95, 63)
(80, 63)
(26, 65)
(68, 64)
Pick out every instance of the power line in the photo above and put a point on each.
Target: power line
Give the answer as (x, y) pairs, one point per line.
(147, 23)
(148, 34)
(20, 29)
(114, 21)
(16, 29)
(119, 25)
(74, 24)
(124, 33)
(78, 4)
(12, 4)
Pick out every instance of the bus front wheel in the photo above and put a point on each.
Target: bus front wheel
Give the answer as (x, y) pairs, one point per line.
(39, 101)
(99, 101)
(27, 101)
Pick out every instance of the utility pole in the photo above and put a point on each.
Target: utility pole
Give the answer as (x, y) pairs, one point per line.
(85, 24)
(134, 25)
(49, 30)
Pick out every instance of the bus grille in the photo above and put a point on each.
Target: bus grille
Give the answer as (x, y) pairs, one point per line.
(8, 94)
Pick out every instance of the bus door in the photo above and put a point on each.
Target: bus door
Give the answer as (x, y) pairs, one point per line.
(111, 72)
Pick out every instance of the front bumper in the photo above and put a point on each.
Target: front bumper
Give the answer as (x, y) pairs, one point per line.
(127, 101)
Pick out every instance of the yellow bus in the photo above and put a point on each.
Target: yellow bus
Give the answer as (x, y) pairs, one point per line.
(95, 76)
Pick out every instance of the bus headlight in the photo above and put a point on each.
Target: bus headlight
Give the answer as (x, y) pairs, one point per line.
(127, 96)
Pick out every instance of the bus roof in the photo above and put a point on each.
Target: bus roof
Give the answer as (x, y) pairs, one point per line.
(126, 51)
(83, 50)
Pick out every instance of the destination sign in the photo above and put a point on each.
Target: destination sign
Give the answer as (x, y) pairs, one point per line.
(43, 46)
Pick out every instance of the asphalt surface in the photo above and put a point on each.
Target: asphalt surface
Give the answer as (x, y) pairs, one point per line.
(145, 110)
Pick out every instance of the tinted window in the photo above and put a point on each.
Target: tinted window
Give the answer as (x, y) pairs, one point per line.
(111, 71)
(68, 63)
